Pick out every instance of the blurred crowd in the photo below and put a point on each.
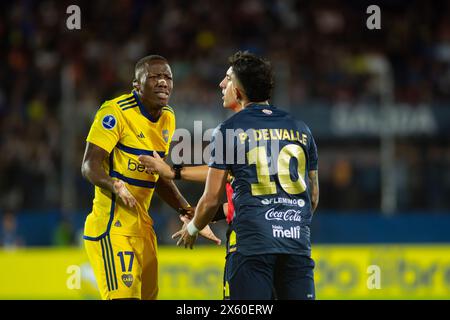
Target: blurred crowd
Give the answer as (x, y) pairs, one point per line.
(321, 50)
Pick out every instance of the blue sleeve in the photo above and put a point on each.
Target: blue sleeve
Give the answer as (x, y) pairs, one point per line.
(218, 149)
(312, 154)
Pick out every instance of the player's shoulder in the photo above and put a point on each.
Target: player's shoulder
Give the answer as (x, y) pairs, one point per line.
(231, 120)
(235, 121)
(123, 102)
(168, 110)
(288, 117)
(301, 125)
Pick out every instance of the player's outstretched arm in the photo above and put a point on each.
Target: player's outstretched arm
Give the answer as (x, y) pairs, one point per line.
(206, 232)
(206, 207)
(157, 164)
(313, 177)
(92, 170)
(168, 191)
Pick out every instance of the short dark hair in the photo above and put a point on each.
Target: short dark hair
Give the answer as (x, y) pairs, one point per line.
(254, 73)
(148, 59)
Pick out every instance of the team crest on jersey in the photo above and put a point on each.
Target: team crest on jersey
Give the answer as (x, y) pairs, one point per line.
(267, 111)
(109, 122)
(127, 279)
(165, 134)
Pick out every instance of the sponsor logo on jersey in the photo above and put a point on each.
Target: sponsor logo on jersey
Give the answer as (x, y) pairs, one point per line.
(291, 233)
(109, 122)
(289, 215)
(165, 135)
(267, 111)
(290, 202)
(135, 166)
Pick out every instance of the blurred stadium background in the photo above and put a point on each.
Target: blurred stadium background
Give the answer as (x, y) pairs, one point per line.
(377, 101)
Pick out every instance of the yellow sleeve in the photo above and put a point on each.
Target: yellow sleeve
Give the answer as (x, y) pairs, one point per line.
(107, 127)
(171, 128)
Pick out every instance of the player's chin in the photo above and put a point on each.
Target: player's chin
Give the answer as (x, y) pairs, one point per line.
(160, 103)
(232, 106)
(227, 105)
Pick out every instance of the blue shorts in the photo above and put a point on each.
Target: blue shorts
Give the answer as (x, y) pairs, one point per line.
(269, 276)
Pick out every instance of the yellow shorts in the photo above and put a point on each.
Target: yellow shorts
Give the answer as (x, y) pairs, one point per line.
(125, 267)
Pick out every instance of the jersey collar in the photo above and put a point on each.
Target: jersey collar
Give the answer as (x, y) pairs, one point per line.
(144, 111)
(259, 105)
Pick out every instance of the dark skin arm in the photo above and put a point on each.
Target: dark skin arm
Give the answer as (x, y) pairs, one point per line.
(168, 191)
(158, 165)
(92, 170)
(313, 177)
(206, 207)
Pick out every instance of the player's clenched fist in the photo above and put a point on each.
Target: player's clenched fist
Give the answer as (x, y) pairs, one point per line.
(122, 192)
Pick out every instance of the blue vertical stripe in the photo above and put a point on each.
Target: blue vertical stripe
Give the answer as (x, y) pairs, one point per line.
(113, 265)
(105, 265)
(108, 260)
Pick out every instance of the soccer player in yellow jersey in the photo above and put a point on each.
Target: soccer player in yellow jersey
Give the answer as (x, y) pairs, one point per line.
(119, 238)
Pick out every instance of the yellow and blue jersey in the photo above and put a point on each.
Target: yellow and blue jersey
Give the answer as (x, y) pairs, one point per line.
(125, 129)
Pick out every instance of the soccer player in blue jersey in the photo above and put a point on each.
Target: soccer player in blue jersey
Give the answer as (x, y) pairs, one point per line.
(275, 189)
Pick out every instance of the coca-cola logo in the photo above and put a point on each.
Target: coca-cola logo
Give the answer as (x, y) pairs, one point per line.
(289, 215)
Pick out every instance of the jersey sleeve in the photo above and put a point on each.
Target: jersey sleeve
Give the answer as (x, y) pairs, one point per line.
(171, 128)
(218, 149)
(106, 129)
(312, 153)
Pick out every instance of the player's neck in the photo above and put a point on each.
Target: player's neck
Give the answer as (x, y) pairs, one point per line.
(154, 111)
(247, 103)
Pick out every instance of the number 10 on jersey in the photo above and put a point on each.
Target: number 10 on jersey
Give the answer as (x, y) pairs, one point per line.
(264, 186)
